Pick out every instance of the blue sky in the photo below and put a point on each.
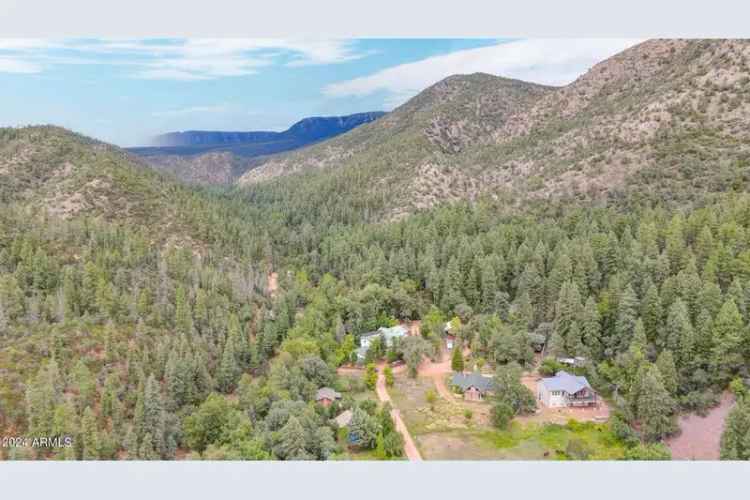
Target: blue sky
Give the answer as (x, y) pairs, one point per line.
(126, 91)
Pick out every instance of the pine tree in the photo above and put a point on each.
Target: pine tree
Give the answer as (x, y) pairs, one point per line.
(201, 310)
(147, 450)
(677, 327)
(735, 439)
(4, 322)
(704, 244)
(737, 293)
(555, 345)
(728, 342)
(153, 414)
(675, 243)
(457, 360)
(292, 441)
(90, 435)
(139, 424)
(183, 314)
(452, 286)
(666, 365)
(711, 298)
(654, 406)
(109, 396)
(704, 338)
(522, 312)
(560, 276)
(388, 375)
(176, 381)
(229, 371)
(42, 395)
(70, 296)
(627, 315)
(241, 343)
(530, 282)
(130, 444)
(574, 344)
(85, 384)
(591, 329)
(105, 298)
(567, 310)
(489, 285)
(639, 344)
(651, 312)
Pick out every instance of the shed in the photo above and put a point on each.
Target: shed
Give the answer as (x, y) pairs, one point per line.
(326, 396)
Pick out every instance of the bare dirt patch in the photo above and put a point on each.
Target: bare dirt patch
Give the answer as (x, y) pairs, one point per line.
(273, 283)
(700, 437)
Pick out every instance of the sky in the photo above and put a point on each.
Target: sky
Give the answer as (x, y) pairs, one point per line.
(126, 91)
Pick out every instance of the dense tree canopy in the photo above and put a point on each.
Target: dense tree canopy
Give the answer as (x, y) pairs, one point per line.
(149, 342)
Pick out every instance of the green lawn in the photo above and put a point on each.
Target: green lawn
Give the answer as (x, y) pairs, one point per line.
(523, 442)
(442, 433)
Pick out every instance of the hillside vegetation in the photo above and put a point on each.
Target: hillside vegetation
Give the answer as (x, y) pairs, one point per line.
(134, 314)
(662, 115)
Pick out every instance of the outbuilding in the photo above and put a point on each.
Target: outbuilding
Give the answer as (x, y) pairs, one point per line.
(474, 386)
(326, 396)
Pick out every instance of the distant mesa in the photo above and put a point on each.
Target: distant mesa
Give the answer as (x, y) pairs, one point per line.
(252, 143)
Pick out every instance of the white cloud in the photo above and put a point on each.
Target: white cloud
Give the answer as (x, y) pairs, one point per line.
(184, 59)
(550, 62)
(15, 44)
(8, 65)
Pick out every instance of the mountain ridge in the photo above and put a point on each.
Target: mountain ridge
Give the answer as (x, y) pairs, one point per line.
(310, 128)
(219, 158)
(628, 117)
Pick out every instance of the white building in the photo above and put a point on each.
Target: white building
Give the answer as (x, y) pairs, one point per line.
(387, 334)
(564, 390)
(450, 336)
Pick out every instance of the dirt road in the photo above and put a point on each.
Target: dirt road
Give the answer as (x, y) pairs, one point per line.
(442, 389)
(412, 453)
(437, 370)
(273, 283)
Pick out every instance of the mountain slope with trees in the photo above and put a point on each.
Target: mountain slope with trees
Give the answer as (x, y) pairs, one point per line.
(134, 313)
(663, 113)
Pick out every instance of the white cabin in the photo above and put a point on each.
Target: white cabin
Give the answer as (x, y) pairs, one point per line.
(565, 390)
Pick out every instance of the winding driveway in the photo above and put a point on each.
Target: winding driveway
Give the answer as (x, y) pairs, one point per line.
(412, 453)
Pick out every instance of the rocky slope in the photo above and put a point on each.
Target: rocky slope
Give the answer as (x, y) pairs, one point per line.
(661, 116)
(53, 173)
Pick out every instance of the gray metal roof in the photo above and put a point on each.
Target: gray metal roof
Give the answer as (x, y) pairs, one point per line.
(344, 419)
(466, 380)
(564, 381)
(327, 393)
(387, 334)
(393, 332)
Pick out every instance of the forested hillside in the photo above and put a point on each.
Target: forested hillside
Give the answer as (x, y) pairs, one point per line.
(656, 116)
(135, 315)
(121, 314)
